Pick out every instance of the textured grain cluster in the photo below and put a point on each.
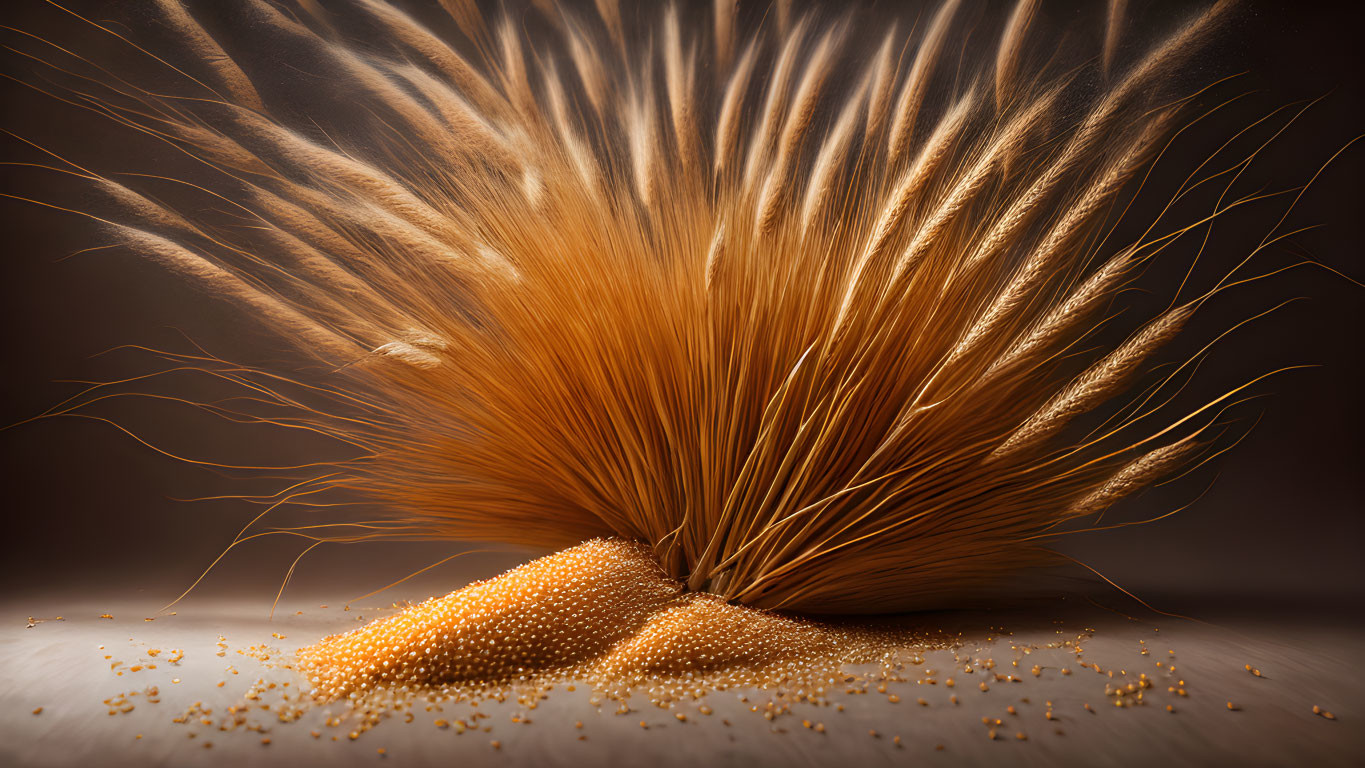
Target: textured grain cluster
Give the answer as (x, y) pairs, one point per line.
(602, 612)
(550, 614)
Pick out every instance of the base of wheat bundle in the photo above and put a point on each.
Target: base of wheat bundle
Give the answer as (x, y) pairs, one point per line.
(603, 613)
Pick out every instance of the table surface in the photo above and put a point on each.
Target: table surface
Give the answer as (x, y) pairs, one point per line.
(1307, 656)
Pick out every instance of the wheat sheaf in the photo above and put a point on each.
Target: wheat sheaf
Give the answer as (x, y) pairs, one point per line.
(796, 312)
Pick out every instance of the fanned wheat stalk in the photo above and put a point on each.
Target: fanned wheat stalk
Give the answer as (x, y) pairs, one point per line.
(795, 312)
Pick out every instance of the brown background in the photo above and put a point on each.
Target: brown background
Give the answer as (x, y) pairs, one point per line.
(86, 506)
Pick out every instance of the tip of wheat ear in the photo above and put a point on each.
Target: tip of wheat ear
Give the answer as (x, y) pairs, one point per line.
(602, 611)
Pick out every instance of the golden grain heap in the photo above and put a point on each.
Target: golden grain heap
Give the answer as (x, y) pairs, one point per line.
(552, 613)
(602, 612)
(805, 304)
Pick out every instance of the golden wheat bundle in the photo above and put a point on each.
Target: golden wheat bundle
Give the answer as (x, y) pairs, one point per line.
(780, 314)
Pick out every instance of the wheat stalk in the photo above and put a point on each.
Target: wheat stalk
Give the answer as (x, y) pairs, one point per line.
(786, 313)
